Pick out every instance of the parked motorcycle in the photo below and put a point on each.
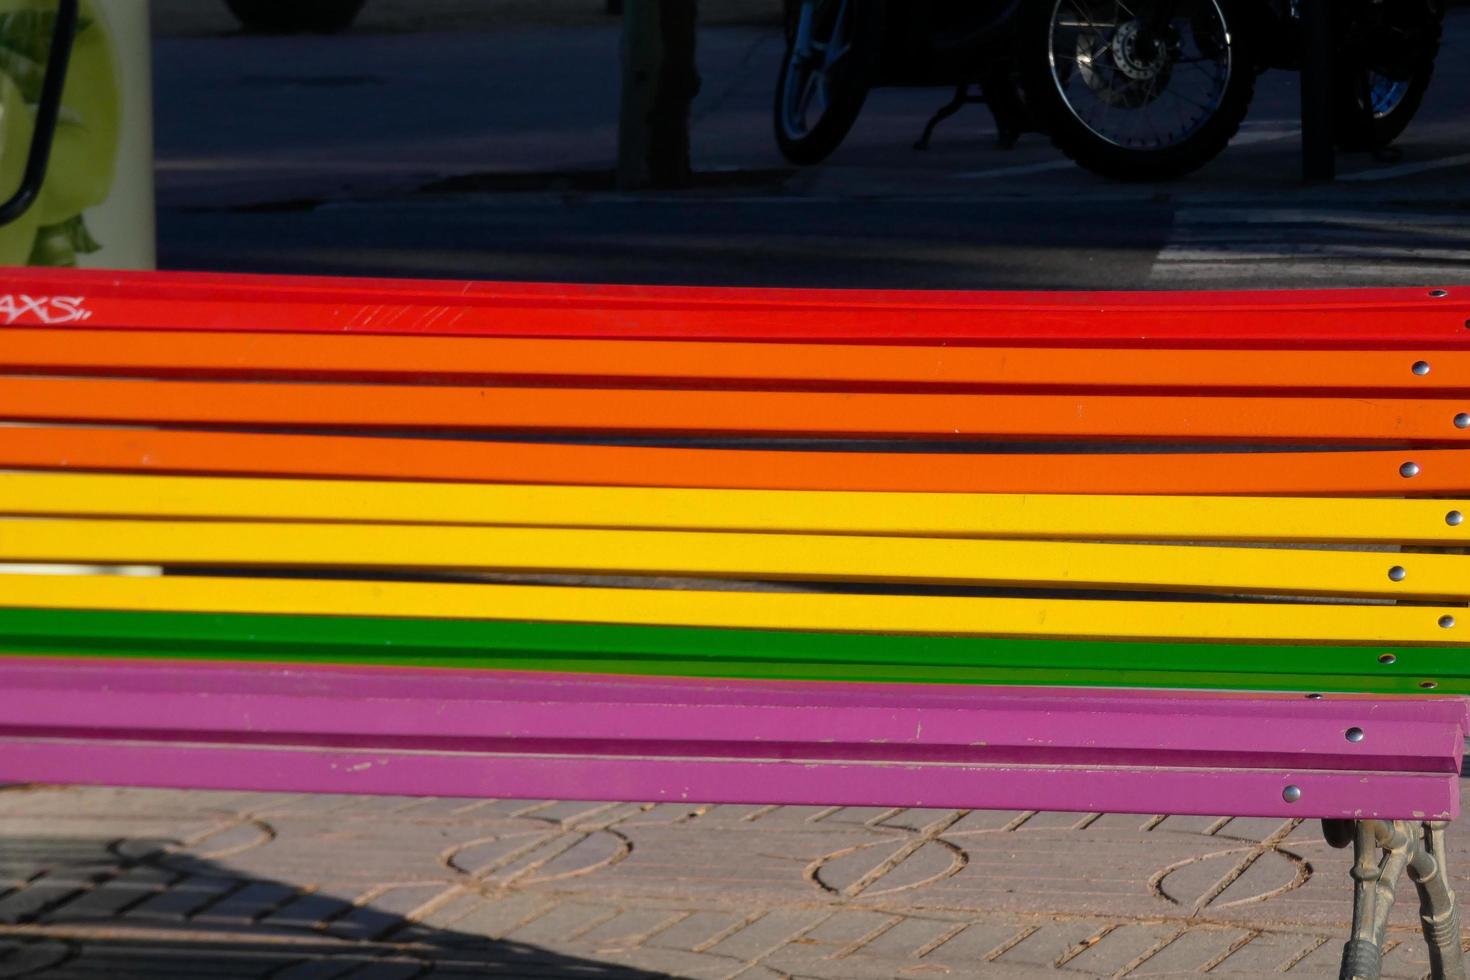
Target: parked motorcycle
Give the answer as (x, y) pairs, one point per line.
(1138, 90)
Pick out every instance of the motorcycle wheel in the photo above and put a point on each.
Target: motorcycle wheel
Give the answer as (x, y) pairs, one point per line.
(1130, 109)
(833, 49)
(295, 16)
(1372, 107)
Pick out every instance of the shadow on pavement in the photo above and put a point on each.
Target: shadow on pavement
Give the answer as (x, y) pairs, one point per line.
(136, 908)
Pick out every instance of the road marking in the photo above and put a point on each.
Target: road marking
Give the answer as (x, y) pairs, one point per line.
(1244, 138)
(1409, 169)
(1242, 245)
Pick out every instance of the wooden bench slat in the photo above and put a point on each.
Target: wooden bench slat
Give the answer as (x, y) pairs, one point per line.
(1439, 472)
(1263, 419)
(1218, 518)
(1252, 621)
(725, 554)
(61, 719)
(1371, 318)
(740, 718)
(286, 768)
(367, 357)
(678, 651)
(1114, 675)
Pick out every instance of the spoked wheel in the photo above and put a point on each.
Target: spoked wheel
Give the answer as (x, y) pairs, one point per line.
(1135, 92)
(832, 57)
(1379, 90)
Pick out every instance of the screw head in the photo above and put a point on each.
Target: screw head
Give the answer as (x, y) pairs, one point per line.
(1454, 518)
(1421, 368)
(1354, 734)
(1388, 658)
(1409, 470)
(1429, 685)
(1447, 622)
(1462, 421)
(1438, 293)
(1314, 697)
(1397, 573)
(1291, 794)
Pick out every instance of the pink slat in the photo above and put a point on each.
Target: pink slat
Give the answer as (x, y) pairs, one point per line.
(1253, 793)
(830, 720)
(719, 741)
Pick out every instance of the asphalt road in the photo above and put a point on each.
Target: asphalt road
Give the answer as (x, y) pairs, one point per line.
(483, 153)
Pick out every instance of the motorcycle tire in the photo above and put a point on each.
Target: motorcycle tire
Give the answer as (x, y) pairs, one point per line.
(847, 89)
(1359, 125)
(1094, 151)
(295, 16)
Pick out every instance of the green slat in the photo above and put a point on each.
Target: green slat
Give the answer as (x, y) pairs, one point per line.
(728, 653)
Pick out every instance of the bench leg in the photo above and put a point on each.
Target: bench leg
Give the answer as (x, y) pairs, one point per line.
(1439, 914)
(1418, 849)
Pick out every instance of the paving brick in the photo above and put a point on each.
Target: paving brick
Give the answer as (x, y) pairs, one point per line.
(490, 917)
(629, 928)
(1055, 941)
(113, 897)
(307, 912)
(667, 964)
(918, 820)
(884, 868)
(770, 932)
(26, 903)
(1254, 828)
(182, 899)
(978, 941)
(385, 911)
(848, 929)
(1054, 820)
(1120, 948)
(563, 922)
(1269, 953)
(857, 815)
(789, 816)
(1272, 871)
(1191, 952)
(985, 821)
(700, 930)
(908, 938)
(20, 958)
(1324, 958)
(254, 901)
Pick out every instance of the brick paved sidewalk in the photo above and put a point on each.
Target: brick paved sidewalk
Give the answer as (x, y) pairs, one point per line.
(131, 883)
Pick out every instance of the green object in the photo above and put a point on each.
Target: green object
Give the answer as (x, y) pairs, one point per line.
(84, 152)
(657, 650)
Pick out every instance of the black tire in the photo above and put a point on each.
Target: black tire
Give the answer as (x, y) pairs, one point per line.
(295, 16)
(1095, 152)
(1355, 123)
(848, 88)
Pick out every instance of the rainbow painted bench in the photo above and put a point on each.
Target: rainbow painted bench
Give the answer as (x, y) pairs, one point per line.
(1151, 553)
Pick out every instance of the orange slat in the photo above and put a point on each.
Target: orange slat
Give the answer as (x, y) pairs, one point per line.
(1436, 472)
(182, 353)
(760, 412)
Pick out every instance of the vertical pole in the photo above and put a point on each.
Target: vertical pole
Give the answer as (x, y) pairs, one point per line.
(659, 85)
(1318, 160)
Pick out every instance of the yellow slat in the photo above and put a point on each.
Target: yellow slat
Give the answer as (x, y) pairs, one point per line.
(1006, 562)
(1347, 520)
(1265, 622)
